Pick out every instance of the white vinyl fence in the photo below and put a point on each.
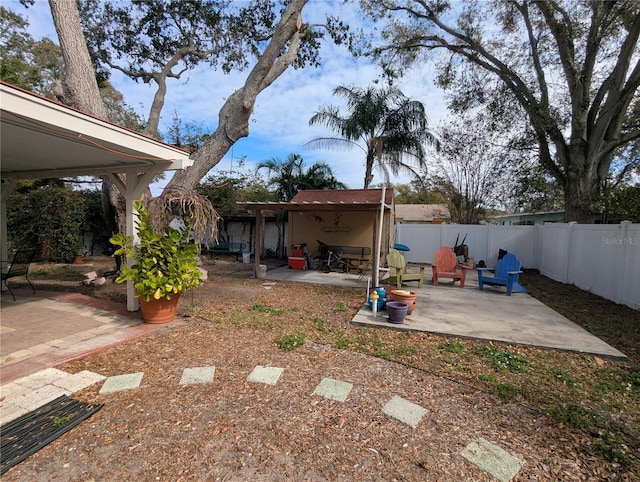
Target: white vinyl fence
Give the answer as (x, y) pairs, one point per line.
(601, 258)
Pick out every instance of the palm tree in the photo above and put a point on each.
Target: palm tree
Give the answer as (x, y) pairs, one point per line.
(390, 128)
(289, 176)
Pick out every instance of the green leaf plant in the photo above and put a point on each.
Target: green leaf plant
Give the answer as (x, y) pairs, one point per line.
(165, 264)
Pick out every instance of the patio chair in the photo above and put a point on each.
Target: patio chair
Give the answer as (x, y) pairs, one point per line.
(505, 273)
(398, 270)
(19, 266)
(445, 265)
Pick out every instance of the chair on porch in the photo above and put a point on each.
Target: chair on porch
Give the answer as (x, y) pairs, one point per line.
(398, 270)
(19, 266)
(445, 265)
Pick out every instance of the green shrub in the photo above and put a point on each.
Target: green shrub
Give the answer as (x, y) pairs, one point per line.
(165, 264)
(319, 323)
(50, 218)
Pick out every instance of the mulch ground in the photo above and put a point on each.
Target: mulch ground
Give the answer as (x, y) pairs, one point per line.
(235, 430)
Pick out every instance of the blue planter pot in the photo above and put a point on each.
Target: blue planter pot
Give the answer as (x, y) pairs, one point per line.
(397, 311)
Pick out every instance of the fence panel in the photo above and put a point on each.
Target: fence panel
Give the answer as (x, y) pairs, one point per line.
(483, 241)
(593, 265)
(518, 240)
(555, 243)
(421, 238)
(603, 259)
(629, 292)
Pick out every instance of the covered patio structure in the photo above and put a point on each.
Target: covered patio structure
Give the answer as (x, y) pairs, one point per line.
(43, 139)
(350, 217)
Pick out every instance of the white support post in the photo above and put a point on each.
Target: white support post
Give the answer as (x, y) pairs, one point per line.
(376, 257)
(132, 189)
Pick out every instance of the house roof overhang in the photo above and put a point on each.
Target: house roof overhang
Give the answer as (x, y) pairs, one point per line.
(40, 138)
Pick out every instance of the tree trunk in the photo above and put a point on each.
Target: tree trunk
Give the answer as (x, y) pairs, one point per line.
(368, 170)
(80, 88)
(581, 200)
(233, 119)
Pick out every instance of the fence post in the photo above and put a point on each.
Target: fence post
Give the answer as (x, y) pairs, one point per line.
(624, 266)
(569, 252)
(489, 243)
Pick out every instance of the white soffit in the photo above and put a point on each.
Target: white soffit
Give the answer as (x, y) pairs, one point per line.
(40, 138)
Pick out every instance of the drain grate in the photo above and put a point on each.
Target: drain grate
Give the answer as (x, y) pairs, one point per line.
(26, 435)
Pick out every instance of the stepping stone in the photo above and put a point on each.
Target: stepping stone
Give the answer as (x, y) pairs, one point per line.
(404, 411)
(492, 459)
(79, 381)
(333, 389)
(267, 375)
(121, 382)
(191, 376)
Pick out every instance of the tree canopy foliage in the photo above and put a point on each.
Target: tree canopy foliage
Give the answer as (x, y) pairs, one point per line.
(225, 188)
(564, 73)
(26, 62)
(287, 177)
(473, 171)
(623, 204)
(388, 127)
(153, 41)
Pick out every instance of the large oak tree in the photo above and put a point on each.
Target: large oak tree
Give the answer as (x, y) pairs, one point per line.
(155, 40)
(570, 68)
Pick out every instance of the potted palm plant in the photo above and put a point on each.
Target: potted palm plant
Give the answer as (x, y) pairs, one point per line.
(165, 265)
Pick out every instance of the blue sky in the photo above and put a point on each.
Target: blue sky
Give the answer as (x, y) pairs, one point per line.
(279, 125)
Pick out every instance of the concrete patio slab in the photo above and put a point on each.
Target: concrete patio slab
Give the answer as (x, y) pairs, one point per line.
(492, 315)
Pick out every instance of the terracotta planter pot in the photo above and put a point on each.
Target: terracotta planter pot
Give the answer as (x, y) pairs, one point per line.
(159, 311)
(406, 297)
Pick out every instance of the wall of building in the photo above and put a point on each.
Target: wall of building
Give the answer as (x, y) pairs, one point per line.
(335, 228)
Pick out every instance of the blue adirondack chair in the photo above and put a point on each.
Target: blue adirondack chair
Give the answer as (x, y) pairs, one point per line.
(505, 273)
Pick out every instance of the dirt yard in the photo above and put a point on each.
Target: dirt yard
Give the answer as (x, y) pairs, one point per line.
(235, 430)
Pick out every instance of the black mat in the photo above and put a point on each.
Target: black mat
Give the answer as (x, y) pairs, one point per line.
(24, 436)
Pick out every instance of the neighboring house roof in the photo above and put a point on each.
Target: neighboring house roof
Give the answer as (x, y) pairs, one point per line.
(529, 214)
(421, 213)
(329, 199)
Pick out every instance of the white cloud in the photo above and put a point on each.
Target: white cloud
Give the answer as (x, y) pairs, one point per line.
(279, 125)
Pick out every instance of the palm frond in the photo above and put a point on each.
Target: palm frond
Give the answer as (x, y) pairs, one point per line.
(186, 204)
